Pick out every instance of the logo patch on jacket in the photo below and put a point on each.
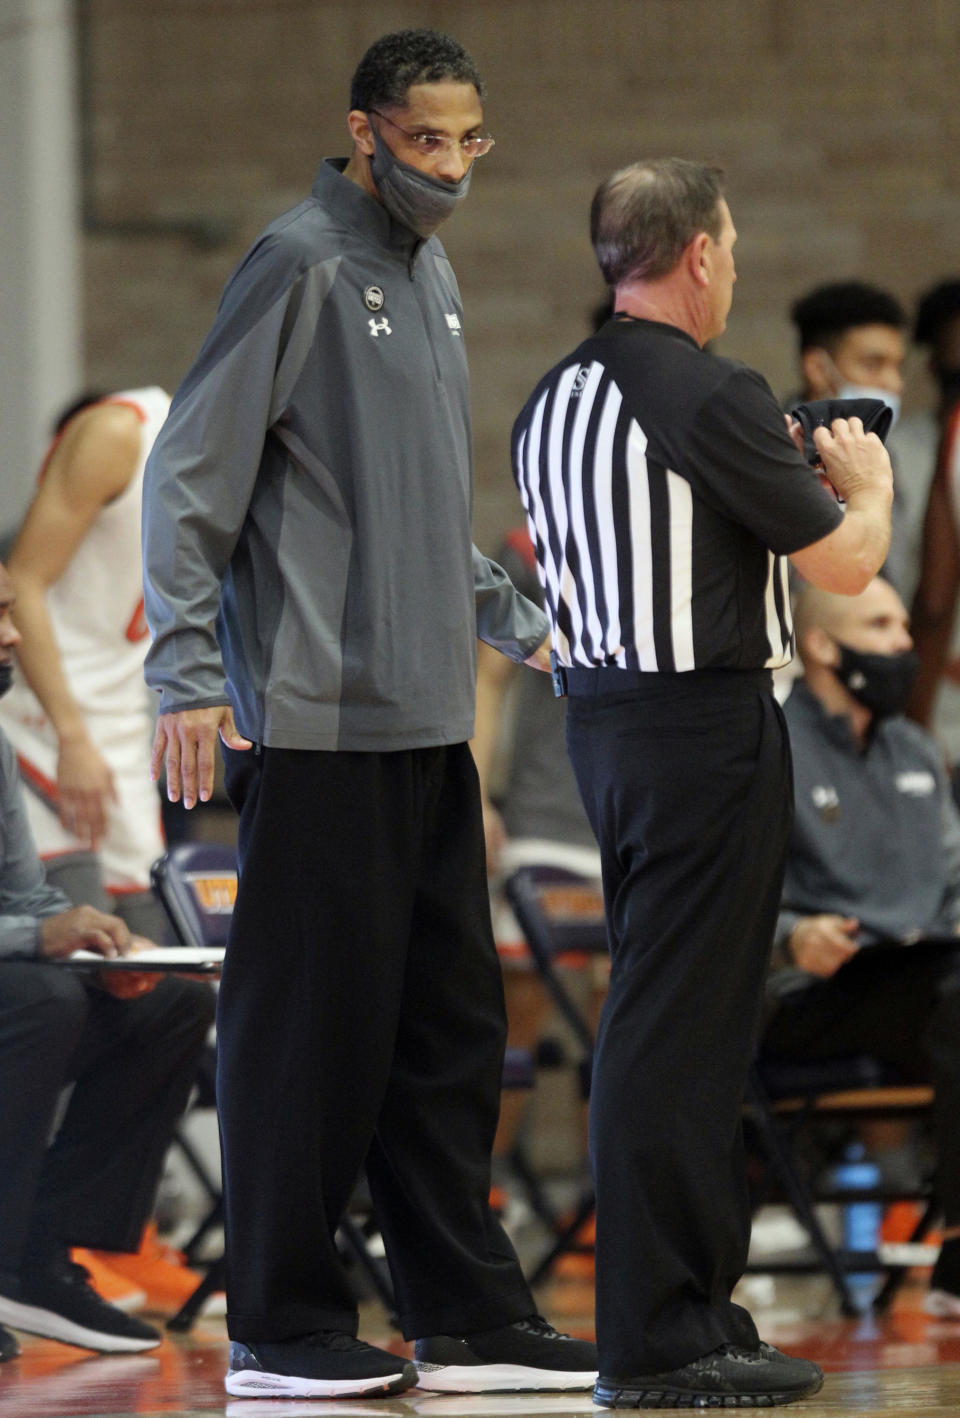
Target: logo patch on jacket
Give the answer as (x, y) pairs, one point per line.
(379, 327)
(453, 324)
(373, 297)
(827, 802)
(918, 784)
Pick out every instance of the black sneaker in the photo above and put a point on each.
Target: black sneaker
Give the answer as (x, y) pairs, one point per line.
(728, 1377)
(9, 1347)
(800, 1368)
(328, 1364)
(58, 1302)
(516, 1358)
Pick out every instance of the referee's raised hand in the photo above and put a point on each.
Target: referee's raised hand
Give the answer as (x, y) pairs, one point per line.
(854, 461)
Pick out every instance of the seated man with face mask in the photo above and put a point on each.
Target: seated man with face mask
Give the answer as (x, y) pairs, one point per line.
(874, 858)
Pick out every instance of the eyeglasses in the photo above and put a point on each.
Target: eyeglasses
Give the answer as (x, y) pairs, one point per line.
(431, 144)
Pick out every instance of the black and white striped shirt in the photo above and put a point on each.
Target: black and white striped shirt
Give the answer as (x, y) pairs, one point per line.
(663, 495)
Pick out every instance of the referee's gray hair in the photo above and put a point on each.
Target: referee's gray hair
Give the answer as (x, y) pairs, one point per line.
(643, 217)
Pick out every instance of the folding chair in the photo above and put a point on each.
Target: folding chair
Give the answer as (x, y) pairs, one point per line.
(784, 1098)
(562, 917)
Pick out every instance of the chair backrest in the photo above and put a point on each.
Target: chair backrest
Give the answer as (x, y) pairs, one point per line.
(559, 912)
(196, 883)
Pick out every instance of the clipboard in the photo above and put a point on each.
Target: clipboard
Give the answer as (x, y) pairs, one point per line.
(164, 960)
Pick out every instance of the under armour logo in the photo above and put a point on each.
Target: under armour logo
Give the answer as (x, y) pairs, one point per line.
(379, 327)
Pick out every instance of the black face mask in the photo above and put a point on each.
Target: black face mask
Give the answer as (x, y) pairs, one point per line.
(6, 678)
(881, 683)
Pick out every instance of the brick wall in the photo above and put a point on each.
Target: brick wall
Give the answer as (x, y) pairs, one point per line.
(836, 120)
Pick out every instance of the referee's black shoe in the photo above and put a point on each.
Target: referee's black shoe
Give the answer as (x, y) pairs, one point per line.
(727, 1377)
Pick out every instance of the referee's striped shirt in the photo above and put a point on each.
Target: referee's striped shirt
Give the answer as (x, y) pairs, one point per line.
(663, 495)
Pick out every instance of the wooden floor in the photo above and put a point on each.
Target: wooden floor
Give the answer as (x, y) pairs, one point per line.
(905, 1362)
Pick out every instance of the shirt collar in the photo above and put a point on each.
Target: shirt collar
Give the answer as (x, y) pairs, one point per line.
(358, 209)
(836, 727)
(617, 328)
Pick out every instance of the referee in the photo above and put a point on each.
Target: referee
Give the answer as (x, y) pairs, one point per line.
(664, 495)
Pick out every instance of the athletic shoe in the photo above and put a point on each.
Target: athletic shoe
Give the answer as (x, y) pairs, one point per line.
(515, 1358)
(58, 1302)
(9, 1345)
(727, 1377)
(160, 1273)
(943, 1297)
(800, 1368)
(116, 1289)
(942, 1304)
(328, 1364)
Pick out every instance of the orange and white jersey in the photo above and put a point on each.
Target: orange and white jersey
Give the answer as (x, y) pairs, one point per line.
(97, 604)
(96, 609)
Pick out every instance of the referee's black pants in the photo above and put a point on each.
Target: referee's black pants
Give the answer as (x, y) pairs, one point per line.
(361, 1022)
(686, 780)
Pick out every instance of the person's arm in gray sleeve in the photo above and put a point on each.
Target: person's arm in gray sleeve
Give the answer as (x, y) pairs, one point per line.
(202, 470)
(198, 487)
(25, 895)
(506, 619)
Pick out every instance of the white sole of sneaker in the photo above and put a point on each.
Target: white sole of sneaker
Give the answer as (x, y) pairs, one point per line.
(254, 1383)
(132, 1300)
(500, 1378)
(941, 1304)
(49, 1325)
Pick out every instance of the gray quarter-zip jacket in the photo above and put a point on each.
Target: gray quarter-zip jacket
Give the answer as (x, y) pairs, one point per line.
(306, 520)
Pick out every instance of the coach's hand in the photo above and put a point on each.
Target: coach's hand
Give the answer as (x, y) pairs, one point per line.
(185, 742)
(83, 928)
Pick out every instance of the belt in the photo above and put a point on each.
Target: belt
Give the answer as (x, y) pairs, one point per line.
(610, 679)
(605, 679)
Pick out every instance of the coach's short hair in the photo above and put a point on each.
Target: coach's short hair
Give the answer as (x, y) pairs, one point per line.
(644, 216)
(395, 62)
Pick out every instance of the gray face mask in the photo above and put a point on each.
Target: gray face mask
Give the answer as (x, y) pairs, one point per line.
(410, 196)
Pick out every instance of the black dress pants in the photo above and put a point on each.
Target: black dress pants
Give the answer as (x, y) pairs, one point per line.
(361, 1022)
(901, 1004)
(686, 781)
(132, 1063)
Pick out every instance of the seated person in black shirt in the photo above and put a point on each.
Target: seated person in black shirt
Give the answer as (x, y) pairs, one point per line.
(874, 858)
(131, 1062)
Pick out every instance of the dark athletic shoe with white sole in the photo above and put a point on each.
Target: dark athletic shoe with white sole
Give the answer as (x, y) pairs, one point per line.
(515, 1358)
(728, 1377)
(328, 1364)
(57, 1301)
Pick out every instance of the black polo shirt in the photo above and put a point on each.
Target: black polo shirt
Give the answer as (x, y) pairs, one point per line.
(663, 495)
